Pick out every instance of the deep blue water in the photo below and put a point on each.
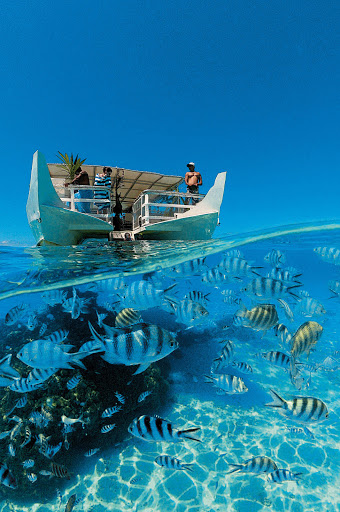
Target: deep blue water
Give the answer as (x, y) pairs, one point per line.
(123, 475)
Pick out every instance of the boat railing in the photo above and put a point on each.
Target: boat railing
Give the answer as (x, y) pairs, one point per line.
(90, 205)
(154, 206)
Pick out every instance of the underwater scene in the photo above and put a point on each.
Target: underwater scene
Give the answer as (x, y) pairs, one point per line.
(172, 376)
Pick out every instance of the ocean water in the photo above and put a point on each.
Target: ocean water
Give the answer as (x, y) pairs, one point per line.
(233, 428)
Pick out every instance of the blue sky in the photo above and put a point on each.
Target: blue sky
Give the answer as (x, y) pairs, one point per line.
(250, 87)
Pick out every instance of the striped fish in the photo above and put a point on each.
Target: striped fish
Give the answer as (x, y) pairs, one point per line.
(107, 428)
(282, 332)
(168, 462)
(265, 288)
(156, 429)
(53, 297)
(305, 338)
(32, 477)
(58, 336)
(275, 258)
(28, 436)
(197, 296)
(238, 267)
(234, 253)
(231, 299)
(328, 254)
(276, 358)
(15, 314)
(302, 408)
(127, 317)
(143, 295)
(189, 268)
(147, 344)
(73, 382)
(261, 317)
(310, 307)
(260, 464)
(120, 397)
(6, 477)
(91, 452)
(143, 396)
(225, 357)
(242, 367)
(111, 285)
(286, 309)
(189, 312)
(226, 383)
(29, 463)
(46, 354)
(24, 385)
(110, 411)
(38, 375)
(214, 277)
(60, 471)
(283, 475)
(284, 275)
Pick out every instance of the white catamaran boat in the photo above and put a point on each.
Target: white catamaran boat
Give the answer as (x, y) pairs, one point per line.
(141, 206)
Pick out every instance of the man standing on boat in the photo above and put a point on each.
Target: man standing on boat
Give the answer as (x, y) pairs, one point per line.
(193, 180)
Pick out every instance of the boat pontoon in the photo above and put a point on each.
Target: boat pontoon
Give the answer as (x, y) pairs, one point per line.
(141, 206)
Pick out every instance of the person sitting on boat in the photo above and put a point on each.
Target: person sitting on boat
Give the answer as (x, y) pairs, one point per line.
(103, 180)
(81, 178)
(193, 180)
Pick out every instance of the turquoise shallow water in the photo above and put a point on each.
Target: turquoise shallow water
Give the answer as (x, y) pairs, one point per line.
(123, 475)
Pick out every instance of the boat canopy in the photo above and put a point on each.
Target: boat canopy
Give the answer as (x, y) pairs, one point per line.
(133, 183)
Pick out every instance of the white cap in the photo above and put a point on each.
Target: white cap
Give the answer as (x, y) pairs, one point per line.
(191, 164)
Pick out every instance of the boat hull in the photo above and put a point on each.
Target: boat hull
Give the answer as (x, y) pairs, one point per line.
(50, 221)
(200, 227)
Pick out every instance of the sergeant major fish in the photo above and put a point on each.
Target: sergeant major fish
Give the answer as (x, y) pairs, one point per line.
(261, 317)
(260, 464)
(265, 288)
(275, 258)
(157, 429)
(283, 475)
(237, 267)
(15, 314)
(304, 409)
(46, 354)
(127, 317)
(305, 338)
(226, 383)
(168, 462)
(142, 347)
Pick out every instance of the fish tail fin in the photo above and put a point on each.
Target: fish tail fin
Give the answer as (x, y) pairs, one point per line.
(278, 401)
(253, 269)
(94, 333)
(187, 467)
(242, 311)
(183, 433)
(170, 287)
(236, 467)
(290, 288)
